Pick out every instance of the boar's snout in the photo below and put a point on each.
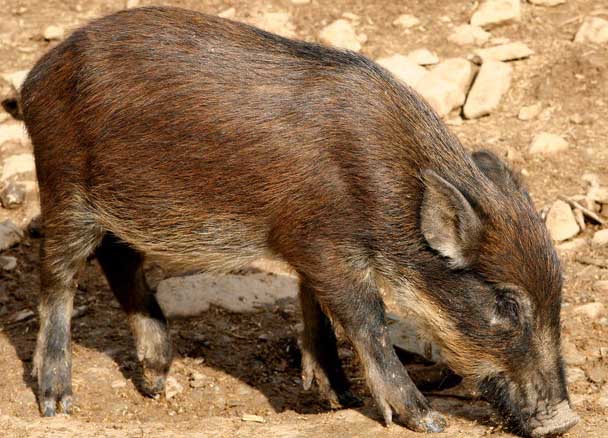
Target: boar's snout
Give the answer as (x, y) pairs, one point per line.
(555, 420)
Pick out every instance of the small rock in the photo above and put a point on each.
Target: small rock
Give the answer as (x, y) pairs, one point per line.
(12, 132)
(12, 196)
(197, 380)
(492, 82)
(598, 194)
(600, 238)
(253, 418)
(546, 143)
(403, 68)
(15, 80)
(601, 286)
(423, 57)
(530, 112)
(593, 30)
(561, 223)
(598, 374)
(575, 374)
(131, 4)
(276, 22)
(494, 12)
(572, 245)
(406, 21)
(8, 263)
(505, 52)
(10, 234)
(117, 384)
(572, 355)
(172, 388)
(340, 34)
(16, 164)
(593, 311)
(227, 13)
(468, 35)
(53, 33)
(455, 121)
(549, 3)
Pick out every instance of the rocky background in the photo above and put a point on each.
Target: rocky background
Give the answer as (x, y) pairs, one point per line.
(526, 79)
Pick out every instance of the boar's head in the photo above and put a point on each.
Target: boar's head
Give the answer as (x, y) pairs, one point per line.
(496, 297)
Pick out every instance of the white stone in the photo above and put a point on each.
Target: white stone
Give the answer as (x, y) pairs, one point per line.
(600, 238)
(572, 245)
(423, 57)
(253, 418)
(598, 194)
(131, 4)
(492, 82)
(227, 13)
(15, 79)
(593, 311)
(601, 286)
(546, 143)
(406, 21)
(172, 388)
(192, 295)
(505, 52)
(530, 112)
(593, 30)
(16, 164)
(561, 223)
(12, 132)
(469, 35)
(403, 68)
(276, 22)
(446, 85)
(549, 3)
(340, 34)
(493, 12)
(53, 33)
(10, 234)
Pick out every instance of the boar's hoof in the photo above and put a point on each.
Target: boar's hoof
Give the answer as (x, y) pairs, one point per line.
(433, 422)
(48, 406)
(562, 419)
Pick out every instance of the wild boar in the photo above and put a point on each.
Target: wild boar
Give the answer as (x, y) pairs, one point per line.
(210, 143)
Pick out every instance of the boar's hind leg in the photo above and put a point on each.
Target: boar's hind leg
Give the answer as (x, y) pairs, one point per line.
(63, 251)
(360, 310)
(320, 354)
(122, 266)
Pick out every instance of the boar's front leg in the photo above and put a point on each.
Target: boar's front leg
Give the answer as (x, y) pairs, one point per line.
(320, 359)
(122, 266)
(358, 307)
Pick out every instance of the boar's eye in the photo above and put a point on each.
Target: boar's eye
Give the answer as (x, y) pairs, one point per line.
(508, 307)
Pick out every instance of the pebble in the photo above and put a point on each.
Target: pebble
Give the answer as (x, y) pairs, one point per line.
(403, 68)
(593, 30)
(406, 21)
(572, 355)
(549, 3)
(117, 384)
(276, 22)
(131, 4)
(10, 234)
(227, 13)
(12, 196)
(575, 374)
(492, 82)
(530, 112)
(15, 79)
(600, 238)
(572, 245)
(598, 194)
(560, 221)
(546, 143)
(598, 374)
(340, 34)
(52, 33)
(494, 12)
(469, 35)
(505, 52)
(12, 132)
(593, 311)
(601, 286)
(423, 57)
(172, 388)
(253, 418)
(8, 263)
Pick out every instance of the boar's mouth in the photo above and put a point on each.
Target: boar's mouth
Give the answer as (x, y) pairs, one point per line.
(552, 419)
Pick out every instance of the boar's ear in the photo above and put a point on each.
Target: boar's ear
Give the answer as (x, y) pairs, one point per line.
(497, 171)
(448, 222)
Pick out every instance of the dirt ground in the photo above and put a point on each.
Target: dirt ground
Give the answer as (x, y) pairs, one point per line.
(234, 364)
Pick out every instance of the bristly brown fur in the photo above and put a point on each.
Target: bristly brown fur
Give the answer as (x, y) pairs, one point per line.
(210, 143)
